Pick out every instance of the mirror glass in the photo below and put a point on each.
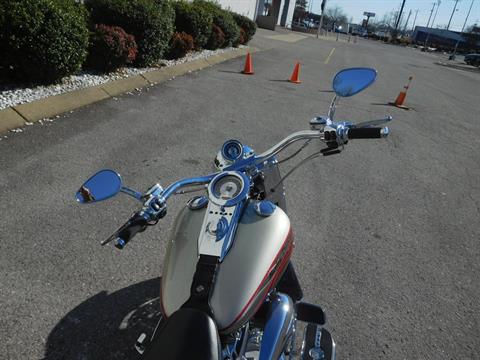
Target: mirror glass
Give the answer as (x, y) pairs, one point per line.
(349, 82)
(103, 185)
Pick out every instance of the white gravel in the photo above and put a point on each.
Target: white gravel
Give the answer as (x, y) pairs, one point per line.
(15, 94)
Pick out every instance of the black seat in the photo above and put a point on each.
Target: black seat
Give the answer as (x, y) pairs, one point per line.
(188, 334)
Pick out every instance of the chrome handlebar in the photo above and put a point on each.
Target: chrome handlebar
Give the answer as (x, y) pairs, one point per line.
(333, 134)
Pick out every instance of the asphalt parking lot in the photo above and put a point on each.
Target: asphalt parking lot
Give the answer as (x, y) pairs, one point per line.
(387, 233)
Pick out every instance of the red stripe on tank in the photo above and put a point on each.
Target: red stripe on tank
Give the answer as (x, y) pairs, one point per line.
(281, 266)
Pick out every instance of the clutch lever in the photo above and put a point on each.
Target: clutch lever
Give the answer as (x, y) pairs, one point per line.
(137, 223)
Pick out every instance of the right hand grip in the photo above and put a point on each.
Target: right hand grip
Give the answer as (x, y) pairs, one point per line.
(367, 133)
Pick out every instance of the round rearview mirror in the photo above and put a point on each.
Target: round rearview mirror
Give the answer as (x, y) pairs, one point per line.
(349, 82)
(103, 185)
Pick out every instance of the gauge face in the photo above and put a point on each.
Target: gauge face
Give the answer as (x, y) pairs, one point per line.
(232, 150)
(227, 187)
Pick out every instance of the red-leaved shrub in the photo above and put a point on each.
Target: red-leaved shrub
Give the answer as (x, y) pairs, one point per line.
(217, 38)
(180, 44)
(110, 48)
(242, 38)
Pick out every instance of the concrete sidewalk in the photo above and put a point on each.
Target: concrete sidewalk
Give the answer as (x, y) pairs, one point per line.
(19, 115)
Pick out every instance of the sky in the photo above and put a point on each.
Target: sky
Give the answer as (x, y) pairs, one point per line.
(355, 9)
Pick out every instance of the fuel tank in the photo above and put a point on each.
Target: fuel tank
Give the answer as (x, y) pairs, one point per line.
(252, 267)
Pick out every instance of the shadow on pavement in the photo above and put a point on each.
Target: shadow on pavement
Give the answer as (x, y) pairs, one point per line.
(392, 105)
(106, 326)
(381, 104)
(231, 72)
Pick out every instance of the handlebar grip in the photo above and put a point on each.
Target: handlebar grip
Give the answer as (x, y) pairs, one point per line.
(367, 133)
(126, 233)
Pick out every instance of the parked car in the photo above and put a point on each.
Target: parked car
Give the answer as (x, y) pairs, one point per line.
(472, 59)
(360, 32)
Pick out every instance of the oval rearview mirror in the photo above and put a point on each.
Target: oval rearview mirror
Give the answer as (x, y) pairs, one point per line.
(349, 82)
(103, 185)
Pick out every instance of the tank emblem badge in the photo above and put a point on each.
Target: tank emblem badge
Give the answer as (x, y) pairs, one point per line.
(222, 228)
(264, 208)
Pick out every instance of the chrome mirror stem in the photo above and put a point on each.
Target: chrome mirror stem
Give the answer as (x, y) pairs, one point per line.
(137, 195)
(331, 110)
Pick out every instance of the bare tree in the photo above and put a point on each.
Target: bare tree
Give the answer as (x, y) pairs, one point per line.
(302, 4)
(388, 20)
(335, 16)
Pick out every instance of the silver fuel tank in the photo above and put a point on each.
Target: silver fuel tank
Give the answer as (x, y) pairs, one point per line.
(253, 266)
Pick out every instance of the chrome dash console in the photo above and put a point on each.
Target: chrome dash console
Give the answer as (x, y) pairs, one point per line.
(227, 193)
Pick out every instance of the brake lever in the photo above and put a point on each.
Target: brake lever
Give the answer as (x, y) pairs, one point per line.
(374, 122)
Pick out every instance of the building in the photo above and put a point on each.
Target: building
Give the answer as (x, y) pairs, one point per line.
(267, 13)
(247, 8)
(437, 37)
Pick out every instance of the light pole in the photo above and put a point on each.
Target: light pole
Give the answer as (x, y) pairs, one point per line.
(414, 20)
(408, 18)
(431, 12)
(399, 15)
(324, 3)
(451, 16)
(439, 2)
(461, 32)
(433, 21)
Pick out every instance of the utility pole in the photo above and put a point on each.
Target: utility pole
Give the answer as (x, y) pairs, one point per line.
(461, 32)
(433, 21)
(468, 14)
(415, 20)
(324, 3)
(400, 15)
(431, 12)
(451, 16)
(408, 18)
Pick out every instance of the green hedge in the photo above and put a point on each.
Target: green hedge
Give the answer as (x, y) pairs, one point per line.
(247, 25)
(151, 22)
(193, 20)
(223, 19)
(42, 40)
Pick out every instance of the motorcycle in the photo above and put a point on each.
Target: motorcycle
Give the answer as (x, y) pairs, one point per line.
(229, 290)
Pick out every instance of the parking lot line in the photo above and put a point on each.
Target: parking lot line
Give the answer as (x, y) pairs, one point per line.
(327, 60)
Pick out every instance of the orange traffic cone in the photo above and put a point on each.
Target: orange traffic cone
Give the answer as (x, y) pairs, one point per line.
(248, 69)
(296, 74)
(403, 94)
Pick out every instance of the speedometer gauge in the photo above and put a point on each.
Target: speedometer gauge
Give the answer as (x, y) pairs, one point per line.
(228, 188)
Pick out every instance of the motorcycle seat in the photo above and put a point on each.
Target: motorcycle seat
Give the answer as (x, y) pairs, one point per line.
(187, 334)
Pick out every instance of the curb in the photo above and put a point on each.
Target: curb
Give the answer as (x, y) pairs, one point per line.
(458, 67)
(16, 116)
